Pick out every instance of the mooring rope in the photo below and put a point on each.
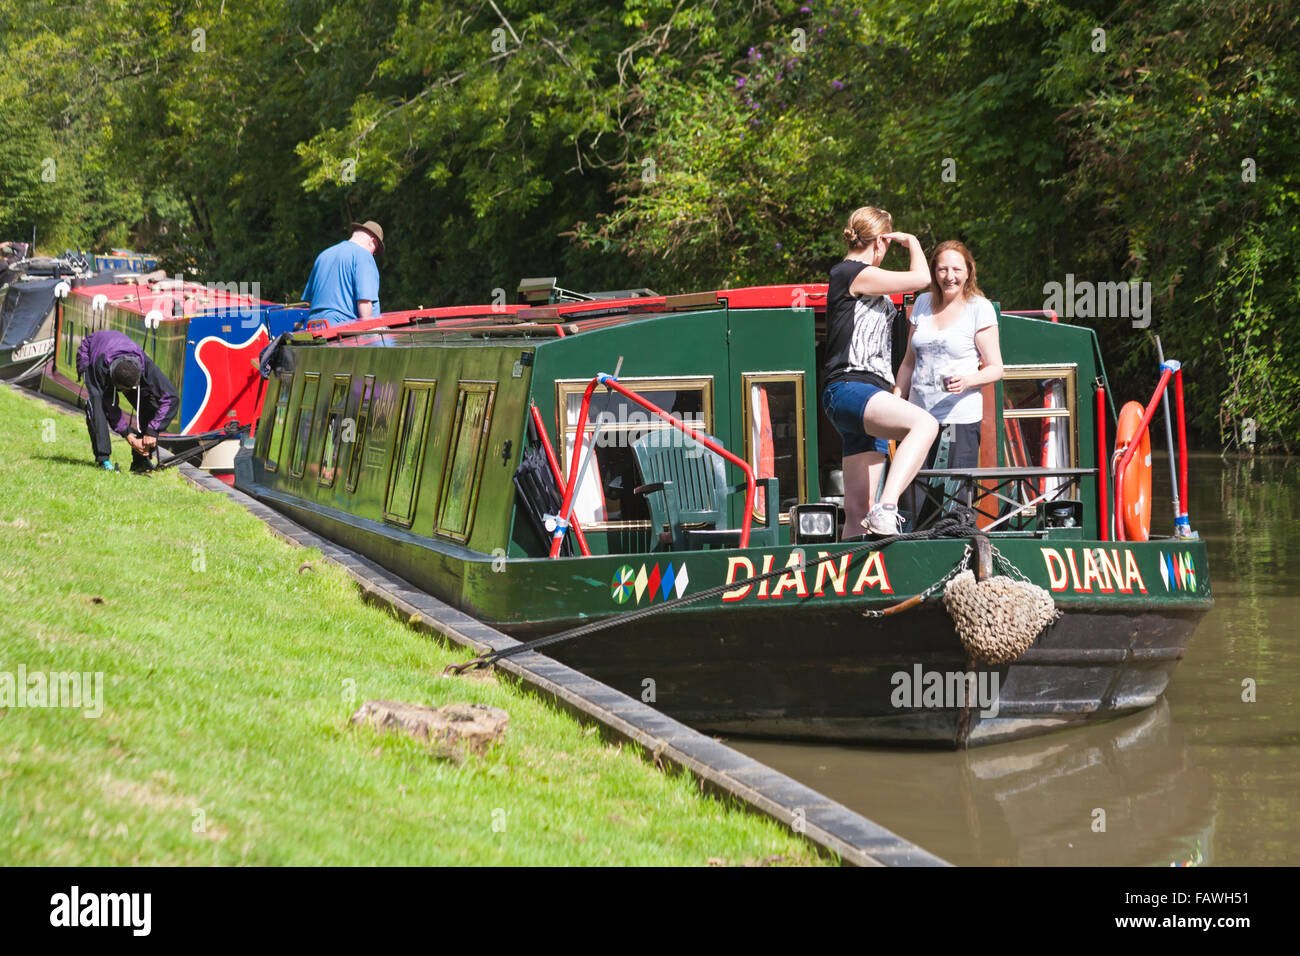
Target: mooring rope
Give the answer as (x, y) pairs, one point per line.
(959, 524)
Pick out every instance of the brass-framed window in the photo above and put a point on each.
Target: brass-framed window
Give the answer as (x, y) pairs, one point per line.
(1040, 419)
(69, 358)
(330, 448)
(300, 437)
(357, 440)
(405, 463)
(275, 434)
(458, 497)
(774, 432)
(604, 499)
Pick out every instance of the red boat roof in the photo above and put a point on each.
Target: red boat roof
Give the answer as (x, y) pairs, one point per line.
(163, 295)
(468, 317)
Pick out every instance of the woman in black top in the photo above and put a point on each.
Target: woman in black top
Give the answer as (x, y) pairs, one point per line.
(859, 397)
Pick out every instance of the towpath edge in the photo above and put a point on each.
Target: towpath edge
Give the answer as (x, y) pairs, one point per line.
(832, 826)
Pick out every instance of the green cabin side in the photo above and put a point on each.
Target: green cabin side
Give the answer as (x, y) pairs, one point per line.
(422, 430)
(1035, 353)
(165, 345)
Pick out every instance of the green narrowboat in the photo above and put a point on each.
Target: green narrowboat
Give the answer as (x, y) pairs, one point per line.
(519, 463)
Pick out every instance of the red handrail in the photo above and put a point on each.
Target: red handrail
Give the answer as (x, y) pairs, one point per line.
(1103, 516)
(1181, 524)
(559, 477)
(612, 383)
(1166, 373)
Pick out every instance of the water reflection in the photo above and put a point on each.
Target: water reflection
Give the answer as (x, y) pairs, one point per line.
(1209, 776)
(1121, 793)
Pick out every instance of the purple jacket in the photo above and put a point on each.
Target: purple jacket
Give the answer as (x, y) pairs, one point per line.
(96, 353)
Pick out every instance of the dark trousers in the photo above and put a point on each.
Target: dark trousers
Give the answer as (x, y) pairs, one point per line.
(958, 446)
(100, 435)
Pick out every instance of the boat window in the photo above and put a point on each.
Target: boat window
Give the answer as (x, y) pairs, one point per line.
(329, 458)
(357, 439)
(301, 435)
(67, 338)
(1038, 419)
(275, 434)
(465, 462)
(604, 498)
(774, 433)
(408, 453)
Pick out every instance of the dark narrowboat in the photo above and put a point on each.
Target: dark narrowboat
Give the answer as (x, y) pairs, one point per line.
(425, 440)
(27, 313)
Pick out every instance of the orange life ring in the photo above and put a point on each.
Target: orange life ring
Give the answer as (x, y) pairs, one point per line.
(1136, 480)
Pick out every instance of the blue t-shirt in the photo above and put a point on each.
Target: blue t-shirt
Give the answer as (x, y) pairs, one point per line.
(344, 274)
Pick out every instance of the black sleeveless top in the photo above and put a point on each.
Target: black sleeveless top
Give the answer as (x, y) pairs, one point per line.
(858, 331)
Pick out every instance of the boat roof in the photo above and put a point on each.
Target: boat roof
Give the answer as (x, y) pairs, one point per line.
(142, 296)
(568, 318)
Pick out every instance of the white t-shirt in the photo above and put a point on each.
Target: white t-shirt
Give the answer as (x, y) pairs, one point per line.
(951, 351)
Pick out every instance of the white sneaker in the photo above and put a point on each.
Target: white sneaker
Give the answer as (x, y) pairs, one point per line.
(882, 519)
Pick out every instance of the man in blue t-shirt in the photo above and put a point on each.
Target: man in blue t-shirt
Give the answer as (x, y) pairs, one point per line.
(344, 282)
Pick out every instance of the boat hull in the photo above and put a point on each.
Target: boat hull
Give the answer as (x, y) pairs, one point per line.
(836, 676)
(795, 658)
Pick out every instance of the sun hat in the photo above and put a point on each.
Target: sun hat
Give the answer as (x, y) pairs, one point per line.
(374, 228)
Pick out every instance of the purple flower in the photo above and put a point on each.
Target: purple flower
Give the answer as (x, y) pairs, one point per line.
(740, 82)
(753, 122)
(778, 77)
(821, 29)
(837, 84)
(805, 9)
(778, 245)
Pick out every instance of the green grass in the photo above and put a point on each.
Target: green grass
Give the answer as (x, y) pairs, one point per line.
(229, 678)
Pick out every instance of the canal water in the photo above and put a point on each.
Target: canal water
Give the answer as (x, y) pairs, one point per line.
(1207, 777)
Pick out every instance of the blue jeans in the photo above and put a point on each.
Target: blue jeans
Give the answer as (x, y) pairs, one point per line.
(845, 402)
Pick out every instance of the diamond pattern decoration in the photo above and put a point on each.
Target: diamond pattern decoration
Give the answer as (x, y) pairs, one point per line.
(680, 581)
(653, 586)
(666, 585)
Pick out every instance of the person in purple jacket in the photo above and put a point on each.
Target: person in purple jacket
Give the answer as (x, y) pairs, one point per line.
(109, 362)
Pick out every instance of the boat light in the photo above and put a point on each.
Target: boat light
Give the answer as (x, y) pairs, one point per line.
(814, 523)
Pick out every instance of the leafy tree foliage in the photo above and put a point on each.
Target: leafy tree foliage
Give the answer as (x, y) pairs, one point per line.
(683, 144)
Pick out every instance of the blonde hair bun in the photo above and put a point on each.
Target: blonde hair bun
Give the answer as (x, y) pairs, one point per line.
(865, 224)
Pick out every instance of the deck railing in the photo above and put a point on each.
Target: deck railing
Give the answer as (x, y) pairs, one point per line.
(610, 382)
(1170, 370)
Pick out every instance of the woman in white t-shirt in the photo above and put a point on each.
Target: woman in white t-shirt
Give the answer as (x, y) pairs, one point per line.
(952, 351)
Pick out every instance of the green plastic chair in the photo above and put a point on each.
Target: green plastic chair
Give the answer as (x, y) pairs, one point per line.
(686, 484)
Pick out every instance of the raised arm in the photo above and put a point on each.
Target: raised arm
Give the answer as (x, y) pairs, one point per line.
(876, 281)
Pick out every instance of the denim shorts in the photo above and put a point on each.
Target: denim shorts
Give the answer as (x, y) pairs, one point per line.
(845, 402)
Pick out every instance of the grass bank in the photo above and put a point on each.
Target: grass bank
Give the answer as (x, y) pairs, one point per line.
(229, 676)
